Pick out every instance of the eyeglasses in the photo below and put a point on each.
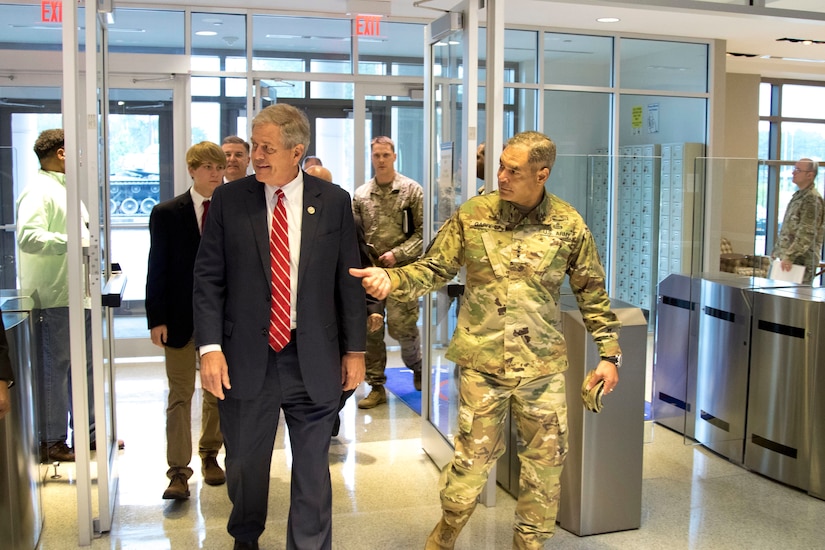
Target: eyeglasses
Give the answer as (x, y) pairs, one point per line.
(800, 170)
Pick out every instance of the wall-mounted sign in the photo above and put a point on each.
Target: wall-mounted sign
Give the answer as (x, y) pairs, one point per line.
(368, 25)
(51, 11)
(636, 117)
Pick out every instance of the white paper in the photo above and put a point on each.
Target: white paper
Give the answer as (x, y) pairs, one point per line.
(795, 275)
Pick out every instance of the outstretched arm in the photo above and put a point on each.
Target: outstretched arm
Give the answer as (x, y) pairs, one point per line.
(376, 281)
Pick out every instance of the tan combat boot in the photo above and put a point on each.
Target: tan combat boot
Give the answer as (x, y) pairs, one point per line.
(377, 396)
(446, 531)
(523, 541)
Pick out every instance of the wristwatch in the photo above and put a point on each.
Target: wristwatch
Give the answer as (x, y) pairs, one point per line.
(615, 359)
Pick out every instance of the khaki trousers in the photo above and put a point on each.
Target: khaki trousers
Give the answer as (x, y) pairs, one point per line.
(180, 372)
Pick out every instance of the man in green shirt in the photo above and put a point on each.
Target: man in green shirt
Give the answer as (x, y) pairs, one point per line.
(42, 241)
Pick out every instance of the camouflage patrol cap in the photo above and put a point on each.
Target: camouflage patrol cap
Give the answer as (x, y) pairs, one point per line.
(593, 398)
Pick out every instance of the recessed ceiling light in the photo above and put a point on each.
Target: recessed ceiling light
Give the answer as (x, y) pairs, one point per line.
(205, 33)
(608, 19)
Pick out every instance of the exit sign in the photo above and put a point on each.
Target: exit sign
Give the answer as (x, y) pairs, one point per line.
(51, 11)
(368, 25)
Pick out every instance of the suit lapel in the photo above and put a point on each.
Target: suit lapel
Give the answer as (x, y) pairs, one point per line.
(257, 210)
(189, 221)
(311, 216)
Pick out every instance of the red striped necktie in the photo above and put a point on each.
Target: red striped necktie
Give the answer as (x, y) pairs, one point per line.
(279, 313)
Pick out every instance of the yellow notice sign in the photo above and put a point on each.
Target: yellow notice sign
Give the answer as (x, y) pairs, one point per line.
(636, 120)
(637, 117)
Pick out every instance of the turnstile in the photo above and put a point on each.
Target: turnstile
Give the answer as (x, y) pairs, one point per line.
(674, 357)
(21, 516)
(601, 484)
(724, 354)
(722, 364)
(786, 416)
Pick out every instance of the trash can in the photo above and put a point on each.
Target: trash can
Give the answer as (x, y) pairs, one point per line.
(21, 516)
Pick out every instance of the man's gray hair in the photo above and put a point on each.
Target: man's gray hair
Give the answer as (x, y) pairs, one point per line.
(814, 165)
(542, 150)
(292, 121)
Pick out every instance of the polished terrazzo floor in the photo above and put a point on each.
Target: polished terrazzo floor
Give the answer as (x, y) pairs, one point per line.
(385, 492)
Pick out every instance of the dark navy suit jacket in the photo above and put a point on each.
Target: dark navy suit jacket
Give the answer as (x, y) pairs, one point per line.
(175, 236)
(232, 286)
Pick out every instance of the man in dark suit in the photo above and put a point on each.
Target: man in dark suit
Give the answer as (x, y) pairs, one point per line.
(245, 362)
(175, 231)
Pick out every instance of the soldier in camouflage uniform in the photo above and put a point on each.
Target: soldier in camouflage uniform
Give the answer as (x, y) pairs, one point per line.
(803, 228)
(382, 204)
(517, 245)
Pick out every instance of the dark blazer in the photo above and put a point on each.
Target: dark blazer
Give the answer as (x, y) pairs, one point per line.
(175, 236)
(232, 286)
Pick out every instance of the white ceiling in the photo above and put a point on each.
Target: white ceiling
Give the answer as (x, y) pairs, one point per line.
(743, 32)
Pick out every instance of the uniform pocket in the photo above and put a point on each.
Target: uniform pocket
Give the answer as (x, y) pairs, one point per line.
(465, 420)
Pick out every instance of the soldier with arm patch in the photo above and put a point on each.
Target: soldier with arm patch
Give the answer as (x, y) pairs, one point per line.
(518, 244)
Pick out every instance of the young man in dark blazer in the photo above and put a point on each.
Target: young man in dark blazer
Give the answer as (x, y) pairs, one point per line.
(323, 353)
(175, 229)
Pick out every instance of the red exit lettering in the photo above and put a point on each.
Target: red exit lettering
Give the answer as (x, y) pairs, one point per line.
(51, 11)
(368, 25)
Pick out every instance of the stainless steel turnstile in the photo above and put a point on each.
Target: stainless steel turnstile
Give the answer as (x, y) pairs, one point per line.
(674, 358)
(601, 484)
(786, 417)
(722, 364)
(21, 516)
(724, 355)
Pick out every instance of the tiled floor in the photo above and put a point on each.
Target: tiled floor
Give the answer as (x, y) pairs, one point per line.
(385, 492)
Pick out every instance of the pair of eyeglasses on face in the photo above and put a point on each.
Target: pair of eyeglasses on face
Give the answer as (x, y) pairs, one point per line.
(801, 170)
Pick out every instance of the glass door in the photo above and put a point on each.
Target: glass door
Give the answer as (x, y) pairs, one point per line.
(387, 109)
(142, 173)
(451, 91)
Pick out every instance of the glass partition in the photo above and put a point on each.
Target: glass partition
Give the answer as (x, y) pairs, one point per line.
(219, 35)
(663, 65)
(397, 49)
(578, 60)
(147, 31)
(280, 42)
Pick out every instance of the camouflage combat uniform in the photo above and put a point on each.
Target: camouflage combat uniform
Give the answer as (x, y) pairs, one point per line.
(508, 343)
(381, 209)
(803, 228)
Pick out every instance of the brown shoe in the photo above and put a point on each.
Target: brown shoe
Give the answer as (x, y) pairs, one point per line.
(377, 396)
(178, 488)
(212, 472)
(56, 452)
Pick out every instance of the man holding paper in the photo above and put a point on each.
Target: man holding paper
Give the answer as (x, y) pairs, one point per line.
(800, 237)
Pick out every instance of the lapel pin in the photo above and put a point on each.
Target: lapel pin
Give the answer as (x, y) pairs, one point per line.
(311, 210)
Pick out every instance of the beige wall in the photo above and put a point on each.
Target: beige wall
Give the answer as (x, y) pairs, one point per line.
(737, 165)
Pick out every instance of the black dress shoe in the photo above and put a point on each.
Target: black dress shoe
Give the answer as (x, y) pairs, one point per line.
(245, 545)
